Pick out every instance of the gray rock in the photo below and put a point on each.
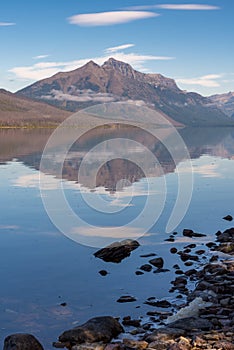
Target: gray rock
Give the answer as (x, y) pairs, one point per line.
(21, 342)
(164, 334)
(191, 323)
(95, 330)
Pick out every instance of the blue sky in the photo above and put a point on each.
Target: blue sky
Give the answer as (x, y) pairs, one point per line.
(190, 41)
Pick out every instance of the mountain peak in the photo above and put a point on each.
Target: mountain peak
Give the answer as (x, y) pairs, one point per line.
(91, 64)
(119, 66)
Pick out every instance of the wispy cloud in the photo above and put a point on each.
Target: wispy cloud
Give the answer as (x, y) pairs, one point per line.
(209, 80)
(40, 57)
(183, 7)
(43, 70)
(118, 48)
(109, 18)
(7, 24)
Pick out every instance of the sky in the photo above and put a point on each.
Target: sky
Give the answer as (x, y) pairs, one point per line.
(189, 41)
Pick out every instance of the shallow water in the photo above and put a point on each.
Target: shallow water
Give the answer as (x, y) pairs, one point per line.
(40, 267)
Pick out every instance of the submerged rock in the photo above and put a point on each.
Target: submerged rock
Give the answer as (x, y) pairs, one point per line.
(191, 234)
(21, 342)
(146, 267)
(158, 303)
(103, 272)
(228, 218)
(126, 299)
(95, 330)
(157, 262)
(117, 251)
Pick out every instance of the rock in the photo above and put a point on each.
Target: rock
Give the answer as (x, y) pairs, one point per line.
(114, 346)
(185, 257)
(191, 246)
(180, 346)
(63, 304)
(200, 252)
(126, 299)
(127, 321)
(58, 345)
(103, 272)
(191, 234)
(21, 341)
(98, 329)
(161, 270)
(224, 345)
(211, 244)
(228, 218)
(157, 262)
(164, 334)
(191, 323)
(135, 344)
(148, 255)
(159, 303)
(146, 267)
(138, 273)
(173, 250)
(88, 346)
(160, 345)
(117, 251)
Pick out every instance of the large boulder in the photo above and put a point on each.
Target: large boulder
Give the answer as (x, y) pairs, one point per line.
(98, 329)
(21, 342)
(117, 251)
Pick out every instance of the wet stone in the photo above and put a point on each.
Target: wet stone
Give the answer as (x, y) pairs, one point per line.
(21, 342)
(191, 233)
(103, 272)
(126, 299)
(117, 251)
(173, 250)
(228, 218)
(157, 262)
(138, 273)
(146, 267)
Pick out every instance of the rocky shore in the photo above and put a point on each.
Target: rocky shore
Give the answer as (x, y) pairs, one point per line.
(205, 321)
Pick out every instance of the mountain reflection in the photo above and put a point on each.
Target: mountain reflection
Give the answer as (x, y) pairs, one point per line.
(103, 144)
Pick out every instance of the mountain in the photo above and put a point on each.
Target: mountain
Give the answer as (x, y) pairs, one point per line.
(118, 81)
(19, 111)
(225, 102)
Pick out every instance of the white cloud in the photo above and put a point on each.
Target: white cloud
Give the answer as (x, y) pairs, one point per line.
(43, 70)
(6, 24)
(81, 96)
(109, 18)
(109, 232)
(118, 48)
(185, 7)
(39, 57)
(206, 80)
(205, 170)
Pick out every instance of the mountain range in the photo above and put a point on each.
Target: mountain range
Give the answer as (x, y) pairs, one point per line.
(118, 81)
(21, 111)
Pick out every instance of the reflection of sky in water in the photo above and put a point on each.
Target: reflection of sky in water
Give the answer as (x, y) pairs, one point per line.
(40, 268)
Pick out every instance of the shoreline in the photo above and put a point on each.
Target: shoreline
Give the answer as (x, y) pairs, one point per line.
(205, 321)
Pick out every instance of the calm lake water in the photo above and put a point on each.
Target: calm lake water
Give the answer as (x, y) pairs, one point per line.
(40, 267)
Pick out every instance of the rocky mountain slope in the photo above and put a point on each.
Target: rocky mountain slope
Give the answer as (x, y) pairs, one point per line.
(18, 110)
(118, 81)
(225, 102)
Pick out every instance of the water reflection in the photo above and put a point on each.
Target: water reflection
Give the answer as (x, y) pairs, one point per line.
(27, 146)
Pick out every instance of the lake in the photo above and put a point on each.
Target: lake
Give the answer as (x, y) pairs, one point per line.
(47, 257)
